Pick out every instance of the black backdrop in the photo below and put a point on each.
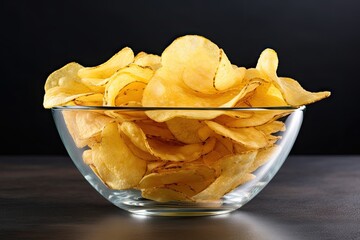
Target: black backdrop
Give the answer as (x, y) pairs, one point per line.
(317, 42)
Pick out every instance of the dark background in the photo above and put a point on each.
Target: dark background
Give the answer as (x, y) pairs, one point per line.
(317, 42)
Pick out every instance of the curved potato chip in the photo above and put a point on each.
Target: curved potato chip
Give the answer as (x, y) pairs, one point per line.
(195, 59)
(272, 127)
(163, 195)
(234, 171)
(162, 178)
(162, 150)
(257, 118)
(123, 78)
(63, 86)
(263, 156)
(175, 95)
(266, 95)
(95, 99)
(250, 137)
(185, 130)
(291, 90)
(118, 167)
(227, 76)
(295, 95)
(154, 129)
(59, 96)
(130, 93)
(121, 59)
(69, 71)
(90, 123)
(148, 60)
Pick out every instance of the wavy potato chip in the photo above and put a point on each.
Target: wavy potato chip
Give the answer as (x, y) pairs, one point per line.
(291, 90)
(148, 60)
(121, 59)
(160, 149)
(234, 171)
(250, 137)
(118, 167)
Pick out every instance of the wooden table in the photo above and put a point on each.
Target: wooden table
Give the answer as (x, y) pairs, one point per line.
(312, 197)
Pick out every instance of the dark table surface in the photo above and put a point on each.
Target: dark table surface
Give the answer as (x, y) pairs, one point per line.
(312, 197)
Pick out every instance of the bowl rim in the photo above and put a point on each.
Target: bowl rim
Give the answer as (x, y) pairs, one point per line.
(127, 108)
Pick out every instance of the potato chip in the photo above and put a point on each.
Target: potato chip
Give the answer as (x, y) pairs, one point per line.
(160, 149)
(69, 71)
(154, 129)
(257, 118)
(233, 170)
(250, 137)
(63, 86)
(132, 93)
(124, 78)
(148, 60)
(227, 76)
(123, 58)
(118, 167)
(263, 156)
(90, 123)
(291, 90)
(192, 126)
(73, 128)
(178, 175)
(95, 99)
(266, 95)
(175, 95)
(163, 194)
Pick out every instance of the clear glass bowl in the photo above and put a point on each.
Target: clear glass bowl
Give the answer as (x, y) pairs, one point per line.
(132, 200)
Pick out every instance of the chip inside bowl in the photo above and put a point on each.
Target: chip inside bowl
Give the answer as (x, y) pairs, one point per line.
(183, 153)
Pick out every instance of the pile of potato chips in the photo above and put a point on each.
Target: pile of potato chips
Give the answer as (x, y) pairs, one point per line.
(181, 154)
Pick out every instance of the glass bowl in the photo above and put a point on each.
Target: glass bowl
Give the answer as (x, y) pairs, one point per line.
(222, 122)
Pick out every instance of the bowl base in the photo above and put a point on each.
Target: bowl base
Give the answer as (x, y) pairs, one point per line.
(178, 212)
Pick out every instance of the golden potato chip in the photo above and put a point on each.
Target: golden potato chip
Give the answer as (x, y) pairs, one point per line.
(156, 95)
(227, 76)
(63, 86)
(291, 90)
(250, 137)
(220, 150)
(122, 79)
(266, 95)
(129, 94)
(90, 123)
(234, 171)
(87, 156)
(178, 175)
(192, 126)
(123, 58)
(118, 167)
(69, 71)
(263, 156)
(153, 165)
(95, 99)
(257, 118)
(160, 149)
(148, 60)
(138, 152)
(59, 96)
(271, 127)
(72, 127)
(154, 129)
(163, 194)
(195, 59)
